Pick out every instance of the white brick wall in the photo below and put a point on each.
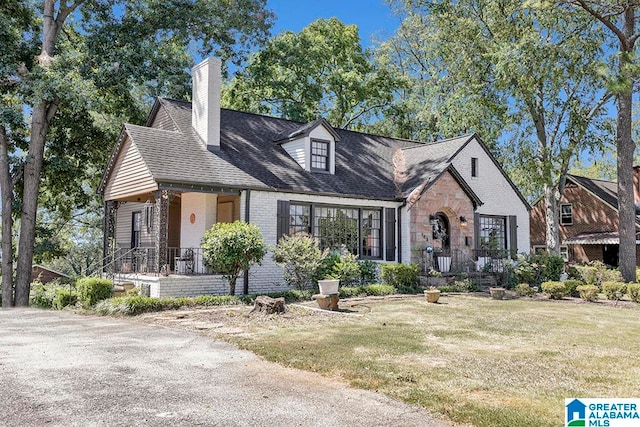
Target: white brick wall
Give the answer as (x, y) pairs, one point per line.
(183, 286)
(495, 192)
(207, 82)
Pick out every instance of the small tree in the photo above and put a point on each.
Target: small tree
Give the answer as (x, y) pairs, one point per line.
(300, 257)
(230, 248)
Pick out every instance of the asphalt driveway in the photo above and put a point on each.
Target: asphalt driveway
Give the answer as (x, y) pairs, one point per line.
(62, 369)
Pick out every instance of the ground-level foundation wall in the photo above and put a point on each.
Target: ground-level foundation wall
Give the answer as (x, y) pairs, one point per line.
(182, 286)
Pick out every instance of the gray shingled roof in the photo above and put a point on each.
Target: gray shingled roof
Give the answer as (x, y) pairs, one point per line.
(248, 157)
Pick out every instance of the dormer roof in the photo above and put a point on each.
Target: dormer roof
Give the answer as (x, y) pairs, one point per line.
(305, 130)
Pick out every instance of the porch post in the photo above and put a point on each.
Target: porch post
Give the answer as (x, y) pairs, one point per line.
(108, 231)
(163, 198)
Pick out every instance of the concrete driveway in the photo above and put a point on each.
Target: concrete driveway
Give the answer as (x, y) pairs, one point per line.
(62, 369)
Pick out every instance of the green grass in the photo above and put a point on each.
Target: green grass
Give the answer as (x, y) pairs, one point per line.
(471, 360)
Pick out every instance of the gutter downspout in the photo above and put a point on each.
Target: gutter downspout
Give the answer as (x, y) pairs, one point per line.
(247, 205)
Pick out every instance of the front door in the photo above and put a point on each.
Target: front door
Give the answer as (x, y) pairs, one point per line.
(610, 255)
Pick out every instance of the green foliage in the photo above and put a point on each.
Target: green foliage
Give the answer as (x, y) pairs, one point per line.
(537, 268)
(524, 290)
(595, 273)
(369, 272)
(588, 292)
(404, 277)
(231, 248)
(291, 295)
(461, 285)
(133, 305)
(322, 71)
(64, 297)
(614, 290)
(347, 269)
(327, 266)
(42, 295)
(572, 286)
(92, 290)
(555, 290)
(366, 290)
(300, 257)
(633, 290)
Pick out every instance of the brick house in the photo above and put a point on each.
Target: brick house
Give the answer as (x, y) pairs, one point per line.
(588, 220)
(384, 199)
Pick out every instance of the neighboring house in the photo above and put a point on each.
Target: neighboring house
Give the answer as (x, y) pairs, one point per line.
(588, 220)
(46, 275)
(384, 199)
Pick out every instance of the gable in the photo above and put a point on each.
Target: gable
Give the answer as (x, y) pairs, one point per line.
(129, 175)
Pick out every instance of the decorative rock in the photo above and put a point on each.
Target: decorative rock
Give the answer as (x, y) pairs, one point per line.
(327, 302)
(269, 305)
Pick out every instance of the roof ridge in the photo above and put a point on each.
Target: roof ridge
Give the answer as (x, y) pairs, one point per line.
(592, 179)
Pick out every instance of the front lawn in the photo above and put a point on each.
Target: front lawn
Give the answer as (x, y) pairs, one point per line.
(469, 359)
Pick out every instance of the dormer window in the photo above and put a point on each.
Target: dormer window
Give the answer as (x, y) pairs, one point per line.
(320, 155)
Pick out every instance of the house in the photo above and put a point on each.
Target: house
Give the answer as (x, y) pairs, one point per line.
(45, 275)
(384, 199)
(588, 220)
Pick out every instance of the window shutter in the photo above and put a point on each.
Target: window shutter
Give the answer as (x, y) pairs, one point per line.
(283, 217)
(476, 230)
(390, 233)
(513, 234)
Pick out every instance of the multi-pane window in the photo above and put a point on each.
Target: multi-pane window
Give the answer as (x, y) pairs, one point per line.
(566, 214)
(493, 234)
(300, 220)
(474, 167)
(319, 155)
(358, 230)
(136, 220)
(371, 233)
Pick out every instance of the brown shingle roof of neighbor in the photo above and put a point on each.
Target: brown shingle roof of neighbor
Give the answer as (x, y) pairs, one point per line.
(248, 157)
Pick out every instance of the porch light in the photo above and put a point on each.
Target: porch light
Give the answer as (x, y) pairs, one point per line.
(463, 221)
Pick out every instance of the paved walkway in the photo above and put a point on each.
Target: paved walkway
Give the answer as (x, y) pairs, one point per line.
(62, 369)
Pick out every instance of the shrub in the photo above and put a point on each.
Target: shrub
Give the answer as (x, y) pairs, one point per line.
(352, 291)
(614, 290)
(369, 272)
(369, 290)
(588, 292)
(327, 265)
(347, 269)
(138, 304)
(571, 286)
(42, 295)
(633, 290)
(596, 273)
(231, 248)
(404, 277)
(92, 290)
(300, 257)
(524, 290)
(64, 297)
(461, 285)
(538, 268)
(555, 290)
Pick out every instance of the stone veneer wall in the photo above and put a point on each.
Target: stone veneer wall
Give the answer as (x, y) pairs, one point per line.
(448, 197)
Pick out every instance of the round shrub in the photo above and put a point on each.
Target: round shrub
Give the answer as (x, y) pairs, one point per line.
(633, 290)
(524, 290)
(300, 258)
(588, 292)
(93, 289)
(614, 290)
(571, 286)
(555, 290)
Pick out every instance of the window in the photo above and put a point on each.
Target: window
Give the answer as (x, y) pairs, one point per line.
(493, 236)
(300, 219)
(148, 216)
(564, 253)
(566, 214)
(474, 167)
(136, 219)
(359, 230)
(319, 155)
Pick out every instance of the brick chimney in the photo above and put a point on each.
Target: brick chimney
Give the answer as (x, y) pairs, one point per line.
(205, 108)
(636, 185)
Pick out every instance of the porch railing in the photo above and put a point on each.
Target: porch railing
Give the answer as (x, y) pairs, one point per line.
(461, 261)
(143, 260)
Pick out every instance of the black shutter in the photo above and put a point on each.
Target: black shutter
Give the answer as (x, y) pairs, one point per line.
(399, 234)
(390, 233)
(513, 234)
(283, 217)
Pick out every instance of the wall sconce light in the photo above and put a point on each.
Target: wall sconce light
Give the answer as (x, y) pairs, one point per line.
(463, 221)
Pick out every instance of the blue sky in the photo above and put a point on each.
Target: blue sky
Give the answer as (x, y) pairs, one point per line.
(373, 17)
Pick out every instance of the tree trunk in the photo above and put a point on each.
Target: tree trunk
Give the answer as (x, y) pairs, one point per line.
(626, 148)
(6, 188)
(32, 169)
(552, 239)
(626, 205)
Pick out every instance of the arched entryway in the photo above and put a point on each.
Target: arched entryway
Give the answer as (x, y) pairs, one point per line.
(441, 230)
